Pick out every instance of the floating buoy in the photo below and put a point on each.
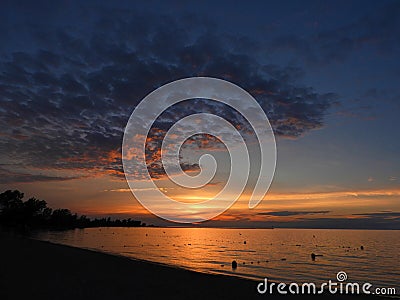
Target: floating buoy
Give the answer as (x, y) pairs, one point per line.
(234, 264)
(313, 255)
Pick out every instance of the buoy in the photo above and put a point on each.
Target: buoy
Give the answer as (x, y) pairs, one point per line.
(234, 264)
(313, 255)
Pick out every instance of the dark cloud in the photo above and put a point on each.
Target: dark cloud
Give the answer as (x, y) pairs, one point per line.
(292, 213)
(322, 223)
(351, 223)
(384, 215)
(7, 176)
(369, 221)
(65, 102)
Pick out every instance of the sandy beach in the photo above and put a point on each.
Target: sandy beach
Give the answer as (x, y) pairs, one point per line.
(32, 269)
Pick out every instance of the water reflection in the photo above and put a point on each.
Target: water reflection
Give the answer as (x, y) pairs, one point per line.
(279, 254)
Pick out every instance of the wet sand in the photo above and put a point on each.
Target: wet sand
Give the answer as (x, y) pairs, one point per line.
(31, 269)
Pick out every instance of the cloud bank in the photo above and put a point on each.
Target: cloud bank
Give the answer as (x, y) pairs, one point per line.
(65, 100)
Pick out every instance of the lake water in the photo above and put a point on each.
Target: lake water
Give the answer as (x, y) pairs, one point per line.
(278, 254)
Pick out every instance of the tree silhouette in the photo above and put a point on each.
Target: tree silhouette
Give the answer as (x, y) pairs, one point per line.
(10, 207)
(63, 218)
(34, 213)
(10, 200)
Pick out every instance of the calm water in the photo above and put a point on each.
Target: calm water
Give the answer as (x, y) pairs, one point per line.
(212, 251)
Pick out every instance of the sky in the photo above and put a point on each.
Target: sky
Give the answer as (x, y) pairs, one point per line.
(325, 73)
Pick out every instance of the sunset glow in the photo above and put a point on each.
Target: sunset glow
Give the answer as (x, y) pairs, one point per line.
(334, 122)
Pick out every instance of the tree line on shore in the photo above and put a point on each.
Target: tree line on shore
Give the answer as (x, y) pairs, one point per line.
(34, 213)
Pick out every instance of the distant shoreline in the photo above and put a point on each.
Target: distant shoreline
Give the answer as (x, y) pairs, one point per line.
(244, 228)
(41, 270)
(308, 228)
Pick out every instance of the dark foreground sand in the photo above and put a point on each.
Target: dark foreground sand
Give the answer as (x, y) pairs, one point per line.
(31, 269)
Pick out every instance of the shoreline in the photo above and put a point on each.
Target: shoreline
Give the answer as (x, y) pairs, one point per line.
(43, 270)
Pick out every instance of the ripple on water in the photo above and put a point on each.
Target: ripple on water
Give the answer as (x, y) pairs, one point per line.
(211, 248)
